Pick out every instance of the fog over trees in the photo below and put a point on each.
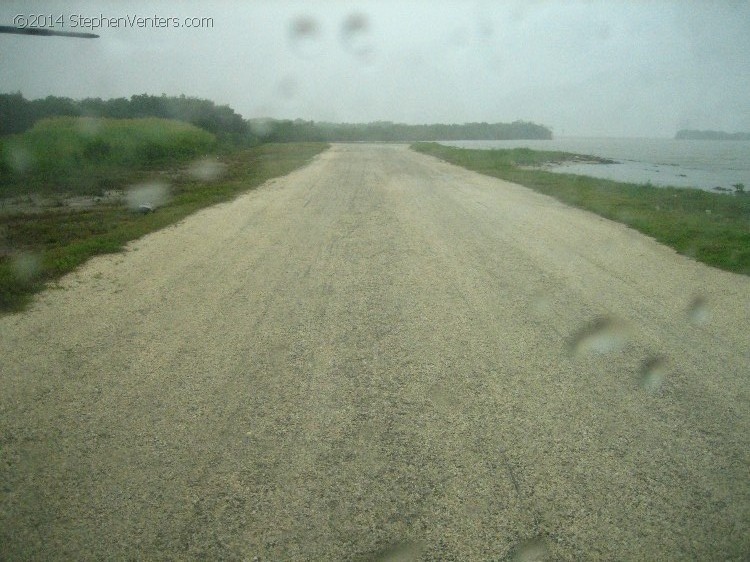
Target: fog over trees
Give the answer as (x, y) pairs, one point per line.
(18, 114)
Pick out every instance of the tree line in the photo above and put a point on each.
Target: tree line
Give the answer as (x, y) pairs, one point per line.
(382, 131)
(18, 114)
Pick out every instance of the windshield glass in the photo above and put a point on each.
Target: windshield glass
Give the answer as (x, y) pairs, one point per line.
(374, 280)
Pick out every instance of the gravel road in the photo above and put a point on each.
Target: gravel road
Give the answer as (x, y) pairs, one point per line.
(380, 357)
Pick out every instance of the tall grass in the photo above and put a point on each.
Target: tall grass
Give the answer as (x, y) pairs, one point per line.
(87, 155)
(712, 228)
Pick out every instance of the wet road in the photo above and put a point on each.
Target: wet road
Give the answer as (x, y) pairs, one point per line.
(380, 356)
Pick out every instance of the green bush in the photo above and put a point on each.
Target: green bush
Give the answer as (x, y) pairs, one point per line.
(75, 153)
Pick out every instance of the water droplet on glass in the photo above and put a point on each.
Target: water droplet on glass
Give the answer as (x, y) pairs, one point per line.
(485, 25)
(652, 373)
(400, 552)
(440, 397)
(304, 34)
(88, 126)
(691, 251)
(533, 550)
(18, 157)
(147, 197)
(261, 127)
(26, 266)
(287, 87)
(355, 35)
(459, 38)
(603, 335)
(542, 304)
(604, 32)
(486, 29)
(698, 311)
(207, 169)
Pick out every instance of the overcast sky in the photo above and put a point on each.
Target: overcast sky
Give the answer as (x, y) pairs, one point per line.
(582, 68)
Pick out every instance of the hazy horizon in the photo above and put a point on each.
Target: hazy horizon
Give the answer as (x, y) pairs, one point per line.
(583, 69)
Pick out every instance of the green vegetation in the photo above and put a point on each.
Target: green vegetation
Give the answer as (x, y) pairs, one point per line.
(710, 227)
(493, 159)
(50, 242)
(386, 131)
(88, 156)
(18, 114)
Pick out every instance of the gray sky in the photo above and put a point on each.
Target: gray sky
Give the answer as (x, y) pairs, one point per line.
(582, 68)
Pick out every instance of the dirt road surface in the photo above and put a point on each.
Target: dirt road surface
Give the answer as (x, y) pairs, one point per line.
(380, 357)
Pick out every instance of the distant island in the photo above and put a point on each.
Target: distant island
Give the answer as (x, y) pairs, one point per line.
(691, 134)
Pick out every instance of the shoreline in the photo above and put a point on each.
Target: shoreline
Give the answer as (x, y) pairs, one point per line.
(663, 162)
(708, 227)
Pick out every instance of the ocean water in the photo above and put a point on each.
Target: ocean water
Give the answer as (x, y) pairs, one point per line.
(661, 162)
